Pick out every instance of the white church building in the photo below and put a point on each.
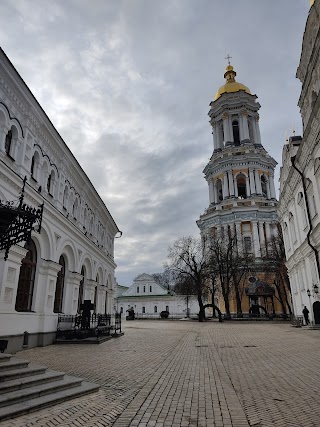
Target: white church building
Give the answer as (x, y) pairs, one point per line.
(72, 259)
(148, 299)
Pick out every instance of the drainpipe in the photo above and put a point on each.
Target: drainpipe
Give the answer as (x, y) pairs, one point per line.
(316, 252)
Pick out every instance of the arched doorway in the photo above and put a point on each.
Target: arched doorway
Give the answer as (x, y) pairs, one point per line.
(26, 278)
(58, 298)
(316, 312)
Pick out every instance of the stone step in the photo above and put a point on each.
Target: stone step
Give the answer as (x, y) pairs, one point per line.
(22, 372)
(21, 383)
(4, 357)
(37, 403)
(32, 392)
(13, 364)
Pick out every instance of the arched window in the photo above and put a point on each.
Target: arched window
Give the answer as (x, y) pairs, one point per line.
(167, 308)
(143, 310)
(144, 289)
(301, 205)
(85, 218)
(26, 278)
(241, 186)
(81, 286)
(286, 236)
(155, 309)
(264, 186)
(236, 133)
(49, 184)
(292, 228)
(8, 142)
(32, 166)
(58, 298)
(138, 290)
(75, 209)
(150, 288)
(65, 197)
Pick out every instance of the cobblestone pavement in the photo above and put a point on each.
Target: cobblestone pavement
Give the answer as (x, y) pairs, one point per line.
(174, 373)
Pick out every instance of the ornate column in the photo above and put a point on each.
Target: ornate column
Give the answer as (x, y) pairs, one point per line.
(46, 286)
(226, 129)
(255, 238)
(235, 184)
(215, 194)
(215, 134)
(248, 187)
(3, 133)
(268, 189)
(252, 184)
(72, 284)
(239, 236)
(89, 289)
(268, 232)
(244, 115)
(9, 279)
(258, 140)
(262, 239)
(258, 182)
(101, 299)
(225, 186)
(211, 194)
(231, 186)
(272, 188)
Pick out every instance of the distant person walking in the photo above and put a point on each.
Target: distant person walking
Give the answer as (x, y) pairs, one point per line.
(305, 312)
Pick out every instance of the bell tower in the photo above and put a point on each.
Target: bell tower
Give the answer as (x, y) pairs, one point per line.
(240, 173)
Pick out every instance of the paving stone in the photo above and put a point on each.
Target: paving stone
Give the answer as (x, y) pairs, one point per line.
(185, 374)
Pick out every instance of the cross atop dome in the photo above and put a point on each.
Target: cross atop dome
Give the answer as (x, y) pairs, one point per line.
(228, 58)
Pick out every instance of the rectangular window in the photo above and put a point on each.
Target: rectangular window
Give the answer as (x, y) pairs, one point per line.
(155, 309)
(143, 309)
(150, 288)
(167, 308)
(137, 289)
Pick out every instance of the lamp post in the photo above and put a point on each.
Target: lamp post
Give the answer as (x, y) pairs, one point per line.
(309, 295)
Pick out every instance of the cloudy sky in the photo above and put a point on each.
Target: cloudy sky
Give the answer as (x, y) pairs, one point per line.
(128, 83)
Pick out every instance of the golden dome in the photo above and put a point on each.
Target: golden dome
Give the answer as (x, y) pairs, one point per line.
(231, 85)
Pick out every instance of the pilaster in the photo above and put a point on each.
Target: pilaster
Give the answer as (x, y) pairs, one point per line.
(9, 277)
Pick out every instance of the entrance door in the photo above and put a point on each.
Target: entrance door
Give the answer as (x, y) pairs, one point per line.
(316, 312)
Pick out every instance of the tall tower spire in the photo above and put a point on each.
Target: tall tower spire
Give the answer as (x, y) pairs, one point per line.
(240, 176)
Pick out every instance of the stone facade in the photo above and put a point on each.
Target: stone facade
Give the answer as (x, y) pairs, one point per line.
(73, 257)
(299, 203)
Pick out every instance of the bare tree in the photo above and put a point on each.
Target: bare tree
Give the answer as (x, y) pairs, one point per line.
(230, 264)
(277, 256)
(164, 279)
(188, 264)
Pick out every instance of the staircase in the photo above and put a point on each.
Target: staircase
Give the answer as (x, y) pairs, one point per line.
(25, 387)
